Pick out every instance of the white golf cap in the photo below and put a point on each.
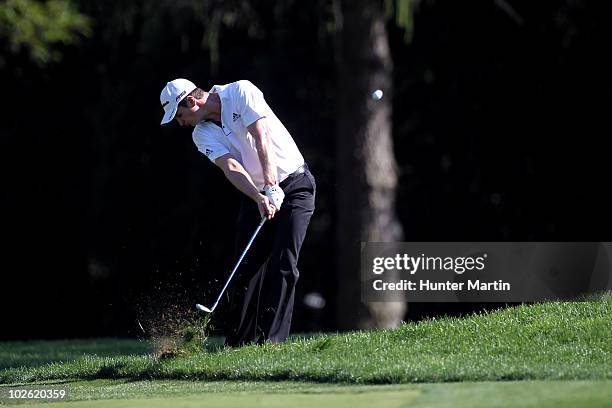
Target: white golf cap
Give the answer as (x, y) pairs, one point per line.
(174, 92)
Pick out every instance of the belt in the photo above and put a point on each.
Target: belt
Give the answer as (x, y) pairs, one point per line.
(300, 170)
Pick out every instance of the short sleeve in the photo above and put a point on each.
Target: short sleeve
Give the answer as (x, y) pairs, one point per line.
(210, 140)
(250, 103)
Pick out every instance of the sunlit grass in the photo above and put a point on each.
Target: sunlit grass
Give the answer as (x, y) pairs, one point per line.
(557, 340)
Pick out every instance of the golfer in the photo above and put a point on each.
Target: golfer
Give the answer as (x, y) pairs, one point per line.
(237, 130)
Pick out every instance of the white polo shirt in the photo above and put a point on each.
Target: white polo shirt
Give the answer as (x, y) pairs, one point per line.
(242, 104)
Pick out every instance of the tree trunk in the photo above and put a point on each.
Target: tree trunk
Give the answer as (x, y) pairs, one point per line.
(366, 167)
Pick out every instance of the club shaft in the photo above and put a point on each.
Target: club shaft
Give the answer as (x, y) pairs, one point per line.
(261, 223)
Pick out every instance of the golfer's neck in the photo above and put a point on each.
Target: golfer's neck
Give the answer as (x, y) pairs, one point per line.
(212, 107)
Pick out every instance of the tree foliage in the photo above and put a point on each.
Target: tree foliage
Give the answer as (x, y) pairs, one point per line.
(403, 12)
(39, 27)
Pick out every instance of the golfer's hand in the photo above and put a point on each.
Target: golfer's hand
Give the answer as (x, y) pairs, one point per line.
(275, 194)
(266, 209)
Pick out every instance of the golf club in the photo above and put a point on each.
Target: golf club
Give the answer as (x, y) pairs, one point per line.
(212, 309)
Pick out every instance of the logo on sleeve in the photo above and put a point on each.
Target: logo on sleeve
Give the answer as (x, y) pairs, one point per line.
(235, 117)
(207, 152)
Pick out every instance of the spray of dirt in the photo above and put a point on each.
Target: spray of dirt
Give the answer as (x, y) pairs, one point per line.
(169, 321)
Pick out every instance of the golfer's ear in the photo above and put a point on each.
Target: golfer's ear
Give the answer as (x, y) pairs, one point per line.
(191, 101)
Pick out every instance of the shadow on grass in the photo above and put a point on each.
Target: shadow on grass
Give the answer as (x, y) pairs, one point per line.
(214, 344)
(112, 370)
(41, 383)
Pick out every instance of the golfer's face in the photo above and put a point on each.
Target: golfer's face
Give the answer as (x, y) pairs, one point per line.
(185, 117)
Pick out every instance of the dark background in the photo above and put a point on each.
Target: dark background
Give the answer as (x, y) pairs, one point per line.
(500, 124)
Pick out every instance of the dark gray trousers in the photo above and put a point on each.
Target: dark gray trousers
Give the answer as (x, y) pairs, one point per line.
(263, 295)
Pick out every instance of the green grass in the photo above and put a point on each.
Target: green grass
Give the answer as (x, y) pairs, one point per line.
(550, 341)
(40, 352)
(560, 352)
(227, 394)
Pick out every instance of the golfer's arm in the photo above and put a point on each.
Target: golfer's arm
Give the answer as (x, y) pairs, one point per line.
(237, 175)
(261, 133)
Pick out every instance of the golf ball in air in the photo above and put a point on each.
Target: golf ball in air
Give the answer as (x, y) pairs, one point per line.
(377, 95)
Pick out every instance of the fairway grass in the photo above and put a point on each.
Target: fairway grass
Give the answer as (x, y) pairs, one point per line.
(228, 394)
(40, 352)
(554, 341)
(561, 352)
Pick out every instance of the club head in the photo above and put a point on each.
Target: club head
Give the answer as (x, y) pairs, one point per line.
(203, 308)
